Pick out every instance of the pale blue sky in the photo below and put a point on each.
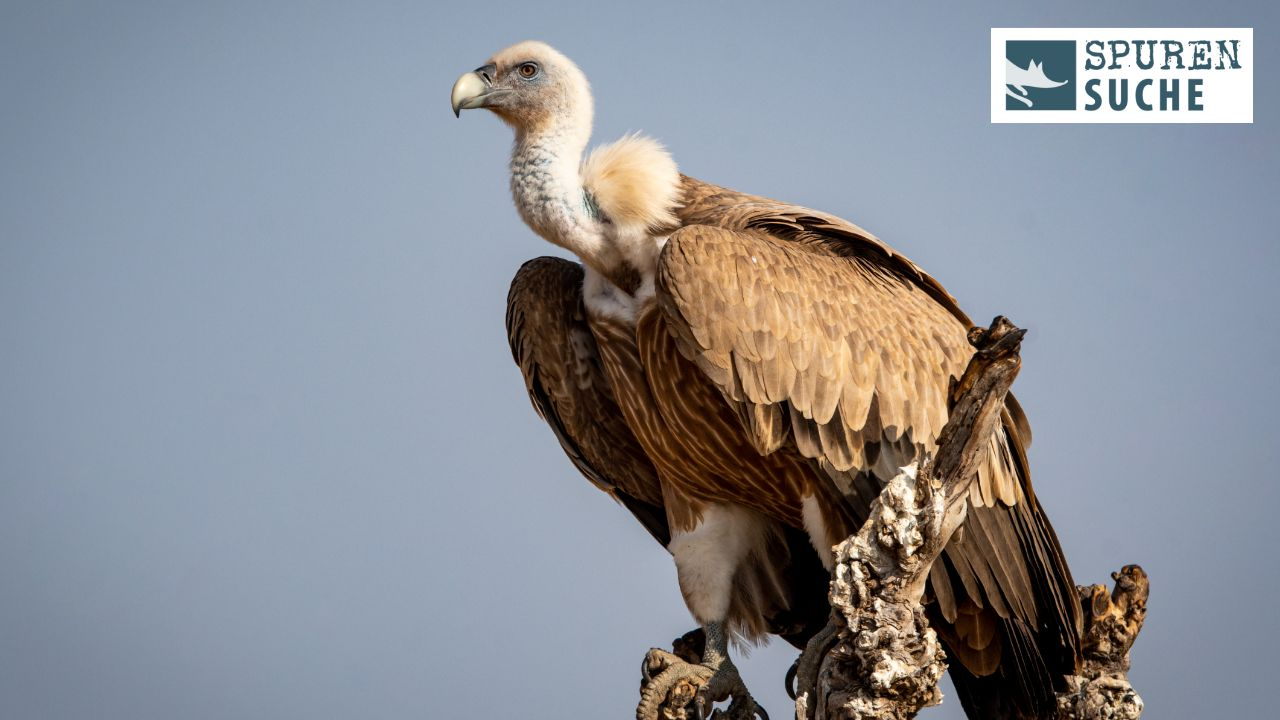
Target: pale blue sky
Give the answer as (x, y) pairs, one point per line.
(264, 451)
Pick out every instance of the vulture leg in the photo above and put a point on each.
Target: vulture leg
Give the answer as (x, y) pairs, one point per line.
(673, 687)
(712, 556)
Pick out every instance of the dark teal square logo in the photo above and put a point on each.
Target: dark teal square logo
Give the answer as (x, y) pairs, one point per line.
(1040, 74)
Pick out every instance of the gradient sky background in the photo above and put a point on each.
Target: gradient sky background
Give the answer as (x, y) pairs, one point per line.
(264, 453)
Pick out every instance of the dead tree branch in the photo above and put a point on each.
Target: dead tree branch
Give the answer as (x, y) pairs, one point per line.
(1111, 623)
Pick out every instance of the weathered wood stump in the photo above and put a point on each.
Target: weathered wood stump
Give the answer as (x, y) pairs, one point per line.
(1111, 624)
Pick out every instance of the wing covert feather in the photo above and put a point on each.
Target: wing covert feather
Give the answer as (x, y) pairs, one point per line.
(858, 355)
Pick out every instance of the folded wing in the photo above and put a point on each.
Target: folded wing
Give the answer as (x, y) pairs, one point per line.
(557, 355)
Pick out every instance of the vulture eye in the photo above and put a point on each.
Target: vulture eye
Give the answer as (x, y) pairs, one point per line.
(528, 70)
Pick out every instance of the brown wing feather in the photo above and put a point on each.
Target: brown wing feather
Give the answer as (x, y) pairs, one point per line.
(829, 336)
(557, 355)
(833, 345)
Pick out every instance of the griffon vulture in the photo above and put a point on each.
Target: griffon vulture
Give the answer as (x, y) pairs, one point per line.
(744, 375)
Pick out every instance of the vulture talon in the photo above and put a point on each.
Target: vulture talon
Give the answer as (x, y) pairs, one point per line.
(805, 670)
(671, 690)
(655, 662)
(679, 690)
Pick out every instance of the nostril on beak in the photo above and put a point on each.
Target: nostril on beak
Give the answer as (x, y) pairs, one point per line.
(486, 73)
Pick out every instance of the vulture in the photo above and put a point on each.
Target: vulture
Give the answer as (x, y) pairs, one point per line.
(744, 375)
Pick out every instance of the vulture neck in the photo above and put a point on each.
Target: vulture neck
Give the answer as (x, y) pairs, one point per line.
(546, 183)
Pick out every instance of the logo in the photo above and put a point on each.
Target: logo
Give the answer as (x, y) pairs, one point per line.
(1040, 74)
(1122, 75)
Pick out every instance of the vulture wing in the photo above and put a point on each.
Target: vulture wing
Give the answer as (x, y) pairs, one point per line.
(830, 344)
(557, 355)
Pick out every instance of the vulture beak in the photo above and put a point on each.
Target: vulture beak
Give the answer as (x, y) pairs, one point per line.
(475, 90)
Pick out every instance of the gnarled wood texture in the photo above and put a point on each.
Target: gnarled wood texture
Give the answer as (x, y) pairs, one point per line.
(1112, 621)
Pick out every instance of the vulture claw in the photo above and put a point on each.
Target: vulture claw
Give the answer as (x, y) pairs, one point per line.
(655, 662)
(804, 673)
(674, 689)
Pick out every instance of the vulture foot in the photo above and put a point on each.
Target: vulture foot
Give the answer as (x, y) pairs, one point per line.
(803, 676)
(675, 689)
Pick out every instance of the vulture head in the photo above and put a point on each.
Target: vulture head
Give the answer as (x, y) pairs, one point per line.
(606, 207)
(531, 86)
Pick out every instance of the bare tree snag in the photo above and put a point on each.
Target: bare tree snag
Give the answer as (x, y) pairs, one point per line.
(879, 658)
(1112, 622)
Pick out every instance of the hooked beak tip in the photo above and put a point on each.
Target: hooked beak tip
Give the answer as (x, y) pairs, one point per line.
(468, 92)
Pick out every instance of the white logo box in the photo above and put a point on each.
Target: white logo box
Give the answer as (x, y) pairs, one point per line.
(1226, 95)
